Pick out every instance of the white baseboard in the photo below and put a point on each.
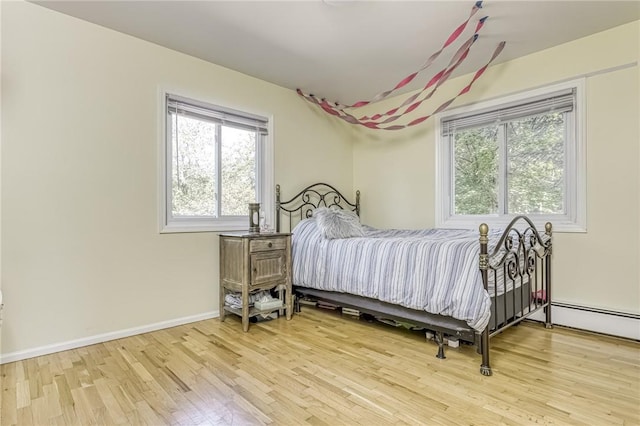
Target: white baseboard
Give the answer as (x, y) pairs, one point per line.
(100, 338)
(600, 321)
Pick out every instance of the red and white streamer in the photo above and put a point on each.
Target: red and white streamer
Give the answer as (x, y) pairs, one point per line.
(411, 103)
(476, 76)
(453, 37)
(374, 125)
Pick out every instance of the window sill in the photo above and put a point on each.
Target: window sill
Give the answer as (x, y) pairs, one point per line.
(559, 224)
(174, 228)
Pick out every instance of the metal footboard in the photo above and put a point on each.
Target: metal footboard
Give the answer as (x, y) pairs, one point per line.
(517, 276)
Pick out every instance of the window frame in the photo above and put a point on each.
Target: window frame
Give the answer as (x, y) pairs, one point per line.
(574, 219)
(264, 172)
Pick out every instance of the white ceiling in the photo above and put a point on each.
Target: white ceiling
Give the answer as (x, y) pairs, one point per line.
(347, 50)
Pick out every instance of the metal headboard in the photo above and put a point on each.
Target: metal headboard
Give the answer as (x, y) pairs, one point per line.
(302, 205)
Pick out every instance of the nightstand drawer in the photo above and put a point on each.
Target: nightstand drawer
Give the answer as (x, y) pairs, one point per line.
(267, 244)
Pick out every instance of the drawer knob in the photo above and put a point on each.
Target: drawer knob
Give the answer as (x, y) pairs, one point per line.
(270, 245)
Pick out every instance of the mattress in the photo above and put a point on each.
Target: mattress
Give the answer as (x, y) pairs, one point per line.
(435, 270)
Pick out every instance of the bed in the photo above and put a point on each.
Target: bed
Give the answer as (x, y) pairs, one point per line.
(462, 284)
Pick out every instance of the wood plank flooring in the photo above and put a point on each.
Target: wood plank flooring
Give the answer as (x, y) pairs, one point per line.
(325, 369)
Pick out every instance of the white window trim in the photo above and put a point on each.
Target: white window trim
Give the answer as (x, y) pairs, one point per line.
(574, 221)
(238, 223)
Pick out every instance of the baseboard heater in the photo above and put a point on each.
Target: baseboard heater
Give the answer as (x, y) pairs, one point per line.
(614, 323)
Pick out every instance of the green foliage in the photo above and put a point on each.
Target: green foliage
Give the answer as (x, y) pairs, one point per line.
(238, 171)
(194, 172)
(533, 164)
(476, 171)
(193, 168)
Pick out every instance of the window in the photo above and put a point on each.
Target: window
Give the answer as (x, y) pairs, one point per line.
(523, 154)
(216, 161)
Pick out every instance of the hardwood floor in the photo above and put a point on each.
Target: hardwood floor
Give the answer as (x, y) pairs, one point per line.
(323, 368)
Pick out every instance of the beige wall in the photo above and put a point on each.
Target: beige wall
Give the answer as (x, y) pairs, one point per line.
(396, 170)
(81, 252)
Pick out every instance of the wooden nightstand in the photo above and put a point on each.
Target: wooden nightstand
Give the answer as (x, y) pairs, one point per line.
(250, 262)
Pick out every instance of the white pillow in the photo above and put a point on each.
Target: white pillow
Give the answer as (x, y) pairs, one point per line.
(338, 223)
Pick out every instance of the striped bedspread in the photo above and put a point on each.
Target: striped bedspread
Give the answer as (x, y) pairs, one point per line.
(435, 270)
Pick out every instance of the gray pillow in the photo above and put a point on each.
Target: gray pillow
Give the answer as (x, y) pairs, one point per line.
(338, 223)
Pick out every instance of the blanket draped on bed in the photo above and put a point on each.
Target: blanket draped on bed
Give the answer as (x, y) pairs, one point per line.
(435, 270)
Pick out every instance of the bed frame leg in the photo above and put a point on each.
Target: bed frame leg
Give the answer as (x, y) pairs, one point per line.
(485, 367)
(296, 304)
(440, 341)
(547, 311)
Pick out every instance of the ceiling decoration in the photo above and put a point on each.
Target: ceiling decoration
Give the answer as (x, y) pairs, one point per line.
(381, 121)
